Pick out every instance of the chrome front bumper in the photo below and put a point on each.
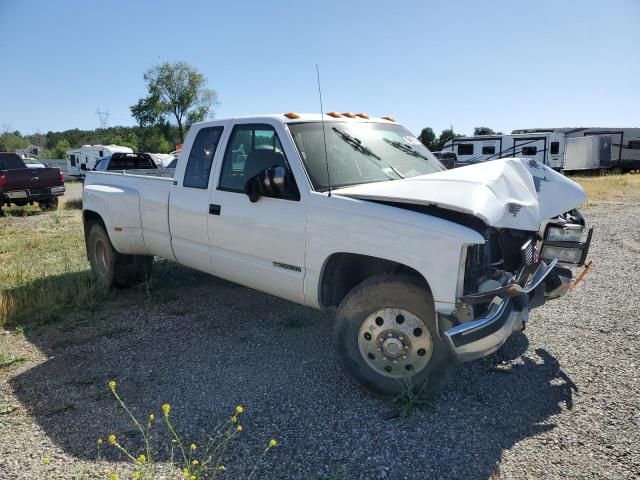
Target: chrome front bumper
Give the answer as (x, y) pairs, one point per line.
(484, 335)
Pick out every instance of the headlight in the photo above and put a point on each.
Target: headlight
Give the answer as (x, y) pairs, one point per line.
(569, 255)
(568, 233)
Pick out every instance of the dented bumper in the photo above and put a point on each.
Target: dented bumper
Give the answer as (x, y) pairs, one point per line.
(508, 313)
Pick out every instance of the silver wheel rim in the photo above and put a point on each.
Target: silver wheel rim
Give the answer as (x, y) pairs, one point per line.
(395, 343)
(101, 257)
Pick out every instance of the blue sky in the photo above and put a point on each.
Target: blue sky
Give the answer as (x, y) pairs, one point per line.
(501, 64)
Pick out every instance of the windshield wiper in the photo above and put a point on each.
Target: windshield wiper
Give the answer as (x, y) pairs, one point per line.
(406, 149)
(356, 143)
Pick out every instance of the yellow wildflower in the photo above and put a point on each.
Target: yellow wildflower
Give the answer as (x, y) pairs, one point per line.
(151, 417)
(239, 409)
(185, 472)
(233, 419)
(99, 441)
(193, 446)
(137, 475)
(114, 476)
(166, 408)
(239, 428)
(112, 385)
(46, 460)
(112, 439)
(272, 443)
(142, 458)
(193, 477)
(221, 468)
(195, 462)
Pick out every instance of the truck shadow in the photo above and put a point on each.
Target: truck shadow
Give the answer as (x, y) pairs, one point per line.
(226, 345)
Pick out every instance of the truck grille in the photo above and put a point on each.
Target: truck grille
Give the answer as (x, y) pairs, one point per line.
(528, 252)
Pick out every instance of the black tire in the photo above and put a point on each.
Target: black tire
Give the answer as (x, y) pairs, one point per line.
(372, 295)
(113, 269)
(49, 205)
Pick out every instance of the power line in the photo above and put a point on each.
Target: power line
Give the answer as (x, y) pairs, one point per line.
(103, 117)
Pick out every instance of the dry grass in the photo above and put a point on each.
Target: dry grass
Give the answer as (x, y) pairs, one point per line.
(43, 265)
(45, 276)
(610, 187)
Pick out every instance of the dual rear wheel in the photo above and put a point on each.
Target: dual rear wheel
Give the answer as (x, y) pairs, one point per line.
(113, 269)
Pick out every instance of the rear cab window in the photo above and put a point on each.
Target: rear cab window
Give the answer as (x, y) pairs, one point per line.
(198, 169)
(10, 161)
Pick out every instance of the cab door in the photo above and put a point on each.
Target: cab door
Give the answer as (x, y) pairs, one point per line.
(189, 198)
(258, 244)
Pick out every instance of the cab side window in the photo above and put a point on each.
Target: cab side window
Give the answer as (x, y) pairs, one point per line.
(198, 168)
(251, 149)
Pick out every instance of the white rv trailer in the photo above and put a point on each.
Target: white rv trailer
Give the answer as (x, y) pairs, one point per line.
(609, 148)
(85, 158)
(547, 148)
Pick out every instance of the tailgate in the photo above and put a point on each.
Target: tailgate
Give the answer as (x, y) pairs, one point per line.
(32, 178)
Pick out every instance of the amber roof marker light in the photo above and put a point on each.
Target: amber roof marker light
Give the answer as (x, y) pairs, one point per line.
(389, 117)
(292, 115)
(362, 115)
(349, 115)
(334, 114)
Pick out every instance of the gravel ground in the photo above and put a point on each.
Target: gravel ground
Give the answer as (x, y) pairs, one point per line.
(560, 401)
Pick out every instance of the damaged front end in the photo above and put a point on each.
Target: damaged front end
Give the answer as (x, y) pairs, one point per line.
(506, 277)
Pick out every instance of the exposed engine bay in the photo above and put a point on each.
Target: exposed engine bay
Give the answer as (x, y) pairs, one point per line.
(511, 257)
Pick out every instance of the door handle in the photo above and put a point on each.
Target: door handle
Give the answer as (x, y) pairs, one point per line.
(214, 209)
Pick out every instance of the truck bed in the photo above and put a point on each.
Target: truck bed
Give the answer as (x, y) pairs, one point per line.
(142, 199)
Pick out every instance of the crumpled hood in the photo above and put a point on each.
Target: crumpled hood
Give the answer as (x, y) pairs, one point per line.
(508, 193)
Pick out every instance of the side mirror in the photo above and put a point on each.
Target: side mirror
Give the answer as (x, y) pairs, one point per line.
(271, 182)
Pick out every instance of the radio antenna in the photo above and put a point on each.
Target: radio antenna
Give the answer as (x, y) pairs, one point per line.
(324, 135)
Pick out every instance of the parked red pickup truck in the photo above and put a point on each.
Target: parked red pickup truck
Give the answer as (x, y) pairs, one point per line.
(20, 185)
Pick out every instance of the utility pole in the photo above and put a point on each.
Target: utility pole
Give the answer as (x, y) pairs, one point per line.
(103, 118)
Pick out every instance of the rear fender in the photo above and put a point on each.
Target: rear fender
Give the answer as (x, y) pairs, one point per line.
(119, 208)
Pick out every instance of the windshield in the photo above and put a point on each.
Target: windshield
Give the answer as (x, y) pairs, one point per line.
(360, 153)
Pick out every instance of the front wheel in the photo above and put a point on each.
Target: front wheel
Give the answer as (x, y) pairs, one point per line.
(387, 339)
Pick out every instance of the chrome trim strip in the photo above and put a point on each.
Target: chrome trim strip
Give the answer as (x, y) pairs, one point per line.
(470, 327)
(535, 282)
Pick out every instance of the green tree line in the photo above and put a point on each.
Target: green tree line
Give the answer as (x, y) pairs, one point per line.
(176, 92)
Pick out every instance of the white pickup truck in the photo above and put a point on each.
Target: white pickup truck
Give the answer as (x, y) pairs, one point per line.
(423, 266)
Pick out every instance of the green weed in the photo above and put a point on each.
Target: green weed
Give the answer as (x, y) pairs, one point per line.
(8, 360)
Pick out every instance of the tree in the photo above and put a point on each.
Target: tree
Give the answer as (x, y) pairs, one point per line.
(147, 111)
(427, 137)
(9, 142)
(180, 91)
(445, 136)
(127, 140)
(154, 141)
(60, 150)
(483, 131)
